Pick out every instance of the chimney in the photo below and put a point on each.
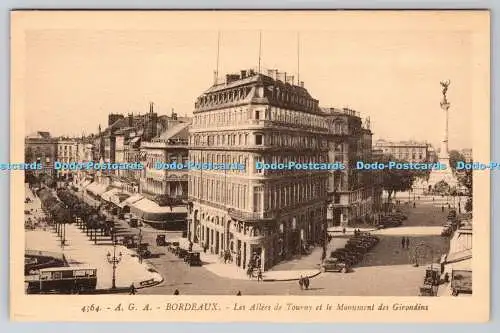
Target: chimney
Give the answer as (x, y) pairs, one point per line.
(215, 77)
(281, 76)
(130, 119)
(302, 84)
(243, 74)
(151, 107)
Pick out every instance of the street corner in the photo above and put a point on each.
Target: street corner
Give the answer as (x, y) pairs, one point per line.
(283, 276)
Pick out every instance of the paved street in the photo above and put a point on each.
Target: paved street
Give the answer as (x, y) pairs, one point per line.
(80, 250)
(386, 271)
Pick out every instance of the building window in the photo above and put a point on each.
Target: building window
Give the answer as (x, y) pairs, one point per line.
(258, 139)
(257, 115)
(257, 198)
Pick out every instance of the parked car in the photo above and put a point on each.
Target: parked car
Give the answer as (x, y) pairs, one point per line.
(193, 259)
(334, 265)
(349, 256)
(161, 240)
(143, 250)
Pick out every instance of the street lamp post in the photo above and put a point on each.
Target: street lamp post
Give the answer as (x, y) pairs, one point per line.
(139, 250)
(114, 260)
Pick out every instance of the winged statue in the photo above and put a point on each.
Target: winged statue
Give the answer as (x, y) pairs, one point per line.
(445, 85)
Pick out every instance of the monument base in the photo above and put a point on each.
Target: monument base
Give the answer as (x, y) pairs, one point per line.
(445, 175)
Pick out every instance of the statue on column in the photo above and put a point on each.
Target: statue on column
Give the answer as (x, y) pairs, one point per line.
(445, 85)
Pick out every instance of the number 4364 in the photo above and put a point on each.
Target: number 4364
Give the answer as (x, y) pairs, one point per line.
(91, 308)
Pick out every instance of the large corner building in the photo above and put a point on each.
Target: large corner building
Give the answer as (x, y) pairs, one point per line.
(252, 118)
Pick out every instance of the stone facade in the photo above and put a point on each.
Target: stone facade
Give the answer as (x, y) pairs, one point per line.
(272, 213)
(352, 193)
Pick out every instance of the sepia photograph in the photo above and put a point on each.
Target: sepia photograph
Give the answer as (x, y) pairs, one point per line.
(311, 156)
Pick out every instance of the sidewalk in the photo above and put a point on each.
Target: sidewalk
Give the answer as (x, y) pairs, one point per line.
(215, 264)
(348, 230)
(80, 250)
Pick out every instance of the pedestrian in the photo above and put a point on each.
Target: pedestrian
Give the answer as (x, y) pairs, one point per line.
(403, 242)
(414, 205)
(250, 271)
(407, 242)
(132, 289)
(238, 293)
(306, 282)
(442, 208)
(343, 230)
(301, 282)
(176, 292)
(259, 275)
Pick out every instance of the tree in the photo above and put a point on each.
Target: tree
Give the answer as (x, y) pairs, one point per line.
(468, 205)
(465, 179)
(394, 180)
(455, 156)
(442, 187)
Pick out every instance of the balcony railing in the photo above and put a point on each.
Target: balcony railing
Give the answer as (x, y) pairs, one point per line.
(249, 217)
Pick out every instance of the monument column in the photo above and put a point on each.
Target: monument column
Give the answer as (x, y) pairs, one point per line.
(445, 175)
(445, 105)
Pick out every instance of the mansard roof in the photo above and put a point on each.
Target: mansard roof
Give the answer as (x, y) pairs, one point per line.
(246, 90)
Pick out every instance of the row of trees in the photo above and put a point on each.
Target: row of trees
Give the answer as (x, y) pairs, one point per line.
(37, 180)
(394, 180)
(464, 177)
(66, 208)
(91, 218)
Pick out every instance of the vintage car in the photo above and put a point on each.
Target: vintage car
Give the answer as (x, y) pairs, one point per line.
(357, 248)
(335, 265)
(461, 282)
(181, 253)
(143, 250)
(129, 241)
(173, 247)
(161, 240)
(193, 259)
(351, 258)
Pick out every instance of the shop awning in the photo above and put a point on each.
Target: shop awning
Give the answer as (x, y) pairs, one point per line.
(119, 197)
(96, 188)
(107, 195)
(150, 211)
(85, 183)
(130, 200)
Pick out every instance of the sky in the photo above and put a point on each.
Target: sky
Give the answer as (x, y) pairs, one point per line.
(76, 77)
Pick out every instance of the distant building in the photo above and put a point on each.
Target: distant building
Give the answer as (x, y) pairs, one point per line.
(467, 154)
(41, 147)
(67, 152)
(409, 151)
(352, 193)
(170, 147)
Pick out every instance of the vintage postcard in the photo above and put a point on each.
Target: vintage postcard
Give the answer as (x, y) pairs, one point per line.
(243, 166)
